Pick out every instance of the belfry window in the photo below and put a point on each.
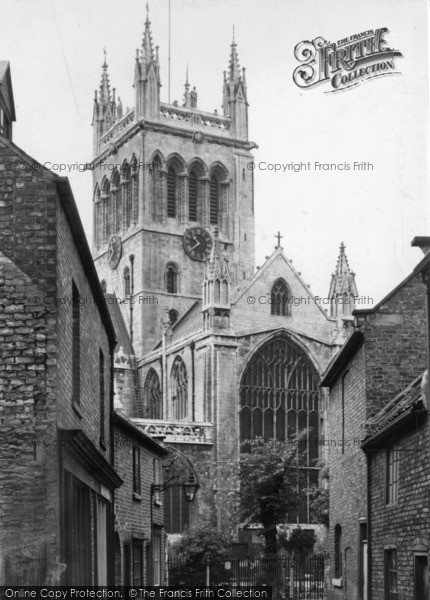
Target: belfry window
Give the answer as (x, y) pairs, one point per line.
(179, 389)
(192, 196)
(280, 299)
(214, 200)
(171, 193)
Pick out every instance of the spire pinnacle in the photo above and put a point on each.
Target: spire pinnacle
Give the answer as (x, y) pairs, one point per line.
(147, 47)
(343, 288)
(105, 96)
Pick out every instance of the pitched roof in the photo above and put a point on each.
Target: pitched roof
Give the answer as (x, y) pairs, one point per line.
(396, 412)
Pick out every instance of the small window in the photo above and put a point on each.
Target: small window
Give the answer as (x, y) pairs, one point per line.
(391, 592)
(103, 284)
(157, 479)
(76, 345)
(102, 398)
(171, 279)
(280, 299)
(136, 470)
(173, 316)
(126, 282)
(392, 475)
(137, 562)
(338, 551)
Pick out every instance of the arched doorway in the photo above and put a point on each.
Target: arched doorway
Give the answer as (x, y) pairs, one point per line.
(279, 399)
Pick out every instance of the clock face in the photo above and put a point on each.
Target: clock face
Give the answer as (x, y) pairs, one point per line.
(197, 243)
(114, 251)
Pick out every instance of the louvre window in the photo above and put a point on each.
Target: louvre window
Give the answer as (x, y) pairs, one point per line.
(192, 197)
(171, 193)
(214, 201)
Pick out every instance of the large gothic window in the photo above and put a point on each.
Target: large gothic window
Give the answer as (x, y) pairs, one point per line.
(153, 397)
(157, 185)
(179, 390)
(279, 395)
(280, 299)
(106, 211)
(134, 190)
(171, 192)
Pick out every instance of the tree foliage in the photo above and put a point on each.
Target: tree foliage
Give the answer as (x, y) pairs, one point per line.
(301, 541)
(268, 476)
(201, 545)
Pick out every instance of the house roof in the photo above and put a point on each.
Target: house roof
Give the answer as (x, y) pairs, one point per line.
(341, 359)
(394, 414)
(122, 422)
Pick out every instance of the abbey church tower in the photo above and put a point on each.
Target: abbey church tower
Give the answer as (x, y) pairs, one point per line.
(164, 177)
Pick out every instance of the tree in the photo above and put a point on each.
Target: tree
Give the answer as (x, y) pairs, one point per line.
(301, 541)
(197, 548)
(268, 476)
(319, 500)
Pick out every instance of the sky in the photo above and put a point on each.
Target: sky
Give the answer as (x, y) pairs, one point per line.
(56, 51)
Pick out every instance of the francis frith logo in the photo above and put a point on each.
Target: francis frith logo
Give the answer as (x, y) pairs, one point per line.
(345, 63)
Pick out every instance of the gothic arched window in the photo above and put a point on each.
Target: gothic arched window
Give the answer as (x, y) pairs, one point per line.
(179, 390)
(157, 175)
(116, 202)
(103, 284)
(134, 201)
(153, 396)
(279, 399)
(214, 199)
(173, 316)
(171, 278)
(126, 195)
(126, 277)
(192, 196)
(171, 192)
(106, 211)
(280, 299)
(97, 218)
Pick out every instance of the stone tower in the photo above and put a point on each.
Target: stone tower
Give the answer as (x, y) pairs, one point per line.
(164, 177)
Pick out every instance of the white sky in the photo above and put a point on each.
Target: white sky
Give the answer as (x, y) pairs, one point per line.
(55, 49)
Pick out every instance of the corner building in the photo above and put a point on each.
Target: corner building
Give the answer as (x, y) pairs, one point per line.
(174, 235)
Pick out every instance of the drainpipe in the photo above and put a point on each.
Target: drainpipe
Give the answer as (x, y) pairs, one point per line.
(193, 383)
(131, 296)
(369, 528)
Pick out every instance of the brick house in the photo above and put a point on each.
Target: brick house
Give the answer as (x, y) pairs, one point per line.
(139, 516)
(57, 477)
(397, 451)
(383, 355)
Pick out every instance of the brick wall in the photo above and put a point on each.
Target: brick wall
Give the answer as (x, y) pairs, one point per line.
(133, 514)
(29, 502)
(347, 470)
(407, 523)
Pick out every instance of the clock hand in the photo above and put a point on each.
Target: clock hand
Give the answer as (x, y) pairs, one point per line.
(198, 244)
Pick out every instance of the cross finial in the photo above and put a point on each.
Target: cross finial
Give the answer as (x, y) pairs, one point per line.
(280, 237)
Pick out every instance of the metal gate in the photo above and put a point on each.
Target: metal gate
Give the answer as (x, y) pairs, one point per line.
(291, 577)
